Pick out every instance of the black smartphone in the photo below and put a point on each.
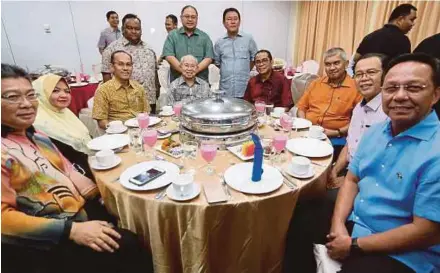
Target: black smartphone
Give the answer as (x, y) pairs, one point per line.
(147, 176)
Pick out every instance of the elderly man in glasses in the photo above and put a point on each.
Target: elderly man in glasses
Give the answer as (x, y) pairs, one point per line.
(368, 77)
(387, 214)
(268, 86)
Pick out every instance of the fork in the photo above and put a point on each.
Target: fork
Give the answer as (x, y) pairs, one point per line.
(225, 186)
(160, 195)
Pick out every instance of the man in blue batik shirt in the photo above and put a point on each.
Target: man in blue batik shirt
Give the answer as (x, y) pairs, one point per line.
(234, 54)
(387, 215)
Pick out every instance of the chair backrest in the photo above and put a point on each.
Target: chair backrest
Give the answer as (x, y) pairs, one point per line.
(214, 74)
(163, 74)
(300, 84)
(310, 66)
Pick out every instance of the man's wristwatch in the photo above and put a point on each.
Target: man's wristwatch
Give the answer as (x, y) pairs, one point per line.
(354, 248)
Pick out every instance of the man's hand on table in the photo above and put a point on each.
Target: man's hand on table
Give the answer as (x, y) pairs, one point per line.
(98, 235)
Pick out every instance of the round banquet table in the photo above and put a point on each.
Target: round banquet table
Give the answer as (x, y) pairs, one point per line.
(245, 234)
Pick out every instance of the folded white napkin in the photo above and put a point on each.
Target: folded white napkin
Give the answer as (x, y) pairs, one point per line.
(324, 263)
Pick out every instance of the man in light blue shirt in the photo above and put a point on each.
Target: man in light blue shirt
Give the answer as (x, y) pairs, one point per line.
(391, 195)
(234, 55)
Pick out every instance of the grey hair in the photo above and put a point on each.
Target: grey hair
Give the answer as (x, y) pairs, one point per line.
(336, 51)
(189, 57)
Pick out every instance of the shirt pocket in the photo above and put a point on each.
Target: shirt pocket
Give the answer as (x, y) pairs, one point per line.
(339, 106)
(242, 52)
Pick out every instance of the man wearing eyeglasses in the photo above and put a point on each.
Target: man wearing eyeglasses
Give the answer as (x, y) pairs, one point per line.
(368, 78)
(144, 58)
(188, 40)
(187, 87)
(268, 86)
(234, 55)
(387, 214)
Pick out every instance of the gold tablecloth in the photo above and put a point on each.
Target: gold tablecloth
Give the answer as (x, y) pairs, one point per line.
(245, 234)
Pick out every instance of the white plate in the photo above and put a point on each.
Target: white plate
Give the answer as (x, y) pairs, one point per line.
(159, 148)
(309, 174)
(322, 137)
(299, 123)
(309, 147)
(116, 131)
(166, 114)
(159, 136)
(111, 142)
(134, 123)
(95, 165)
(171, 172)
(236, 150)
(276, 115)
(173, 195)
(239, 177)
(78, 84)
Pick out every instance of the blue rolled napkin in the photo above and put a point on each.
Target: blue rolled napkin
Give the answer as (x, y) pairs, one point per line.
(257, 168)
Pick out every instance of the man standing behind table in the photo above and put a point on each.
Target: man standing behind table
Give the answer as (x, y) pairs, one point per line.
(234, 55)
(329, 101)
(188, 40)
(391, 39)
(268, 86)
(119, 98)
(144, 58)
(111, 33)
(368, 76)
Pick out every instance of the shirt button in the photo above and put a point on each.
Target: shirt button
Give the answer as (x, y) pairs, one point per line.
(362, 200)
(357, 218)
(356, 140)
(383, 166)
(377, 185)
(389, 145)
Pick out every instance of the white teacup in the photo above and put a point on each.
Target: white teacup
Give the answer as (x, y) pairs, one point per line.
(300, 165)
(316, 131)
(105, 157)
(183, 184)
(115, 125)
(278, 111)
(167, 109)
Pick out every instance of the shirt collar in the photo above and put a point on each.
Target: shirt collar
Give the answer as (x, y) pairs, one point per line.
(239, 34)
(392, 26)
(126, 42)
(345, 82)
(117, 84)
(181, 81)
(182, 31)
(268, 80)
(374, 103)
(424, 130)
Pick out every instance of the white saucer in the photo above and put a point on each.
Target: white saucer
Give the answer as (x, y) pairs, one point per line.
(95, 165)
(78, 84)
(166, 114)
(171, 193)
(309, 174)
(116, 131)
(163, 136)
(322, 137)
(276, 115)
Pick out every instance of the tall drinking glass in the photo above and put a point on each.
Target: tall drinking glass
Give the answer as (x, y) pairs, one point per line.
(177, 108)
(286, 122)
(279, 143)
(149, 137)
(190, 153)
(143, 120)
(208, 152)
(134, 135)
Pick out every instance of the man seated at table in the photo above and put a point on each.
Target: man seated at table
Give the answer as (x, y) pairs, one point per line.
(187, 87)
(268, 86)
(368, 76)
(119, 98)
(329, 101)
(387, 214)
(52, 220)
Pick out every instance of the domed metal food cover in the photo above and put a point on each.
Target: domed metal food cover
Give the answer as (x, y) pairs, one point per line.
(218, 115)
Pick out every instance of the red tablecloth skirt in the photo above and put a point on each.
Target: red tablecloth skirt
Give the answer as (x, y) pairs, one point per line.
(80, 96)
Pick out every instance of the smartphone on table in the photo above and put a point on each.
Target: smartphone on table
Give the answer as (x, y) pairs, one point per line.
(147, 176)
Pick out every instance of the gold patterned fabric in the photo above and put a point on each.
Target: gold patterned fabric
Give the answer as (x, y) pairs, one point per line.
(245, 234)
(116, 102)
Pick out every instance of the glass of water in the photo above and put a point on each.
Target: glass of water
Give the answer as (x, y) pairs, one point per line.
(190, 153)
(135, 140)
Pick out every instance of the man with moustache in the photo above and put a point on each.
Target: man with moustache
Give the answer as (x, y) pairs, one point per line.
(119, 98)
(368, 76)
(234, 54)
(110, 34)
(391, 40)
(144, 58)
(329, 101)
(387, 214)
(268, 86)
(188, 40)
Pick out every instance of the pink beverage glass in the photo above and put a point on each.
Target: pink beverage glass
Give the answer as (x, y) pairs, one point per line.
(208, 152)
(177, 108)
(260, 106)
(279, 142)
(149, 137)
(286, 122)
(143, 120)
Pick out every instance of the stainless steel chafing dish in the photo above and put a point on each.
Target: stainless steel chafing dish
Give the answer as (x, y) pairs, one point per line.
(226, 121)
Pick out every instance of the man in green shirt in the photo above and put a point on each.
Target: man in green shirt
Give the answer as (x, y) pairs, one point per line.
(188, 40)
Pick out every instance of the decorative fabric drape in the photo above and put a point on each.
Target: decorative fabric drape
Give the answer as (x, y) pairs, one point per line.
(325, 24)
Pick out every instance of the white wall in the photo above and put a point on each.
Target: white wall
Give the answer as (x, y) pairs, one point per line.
(75, 27)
